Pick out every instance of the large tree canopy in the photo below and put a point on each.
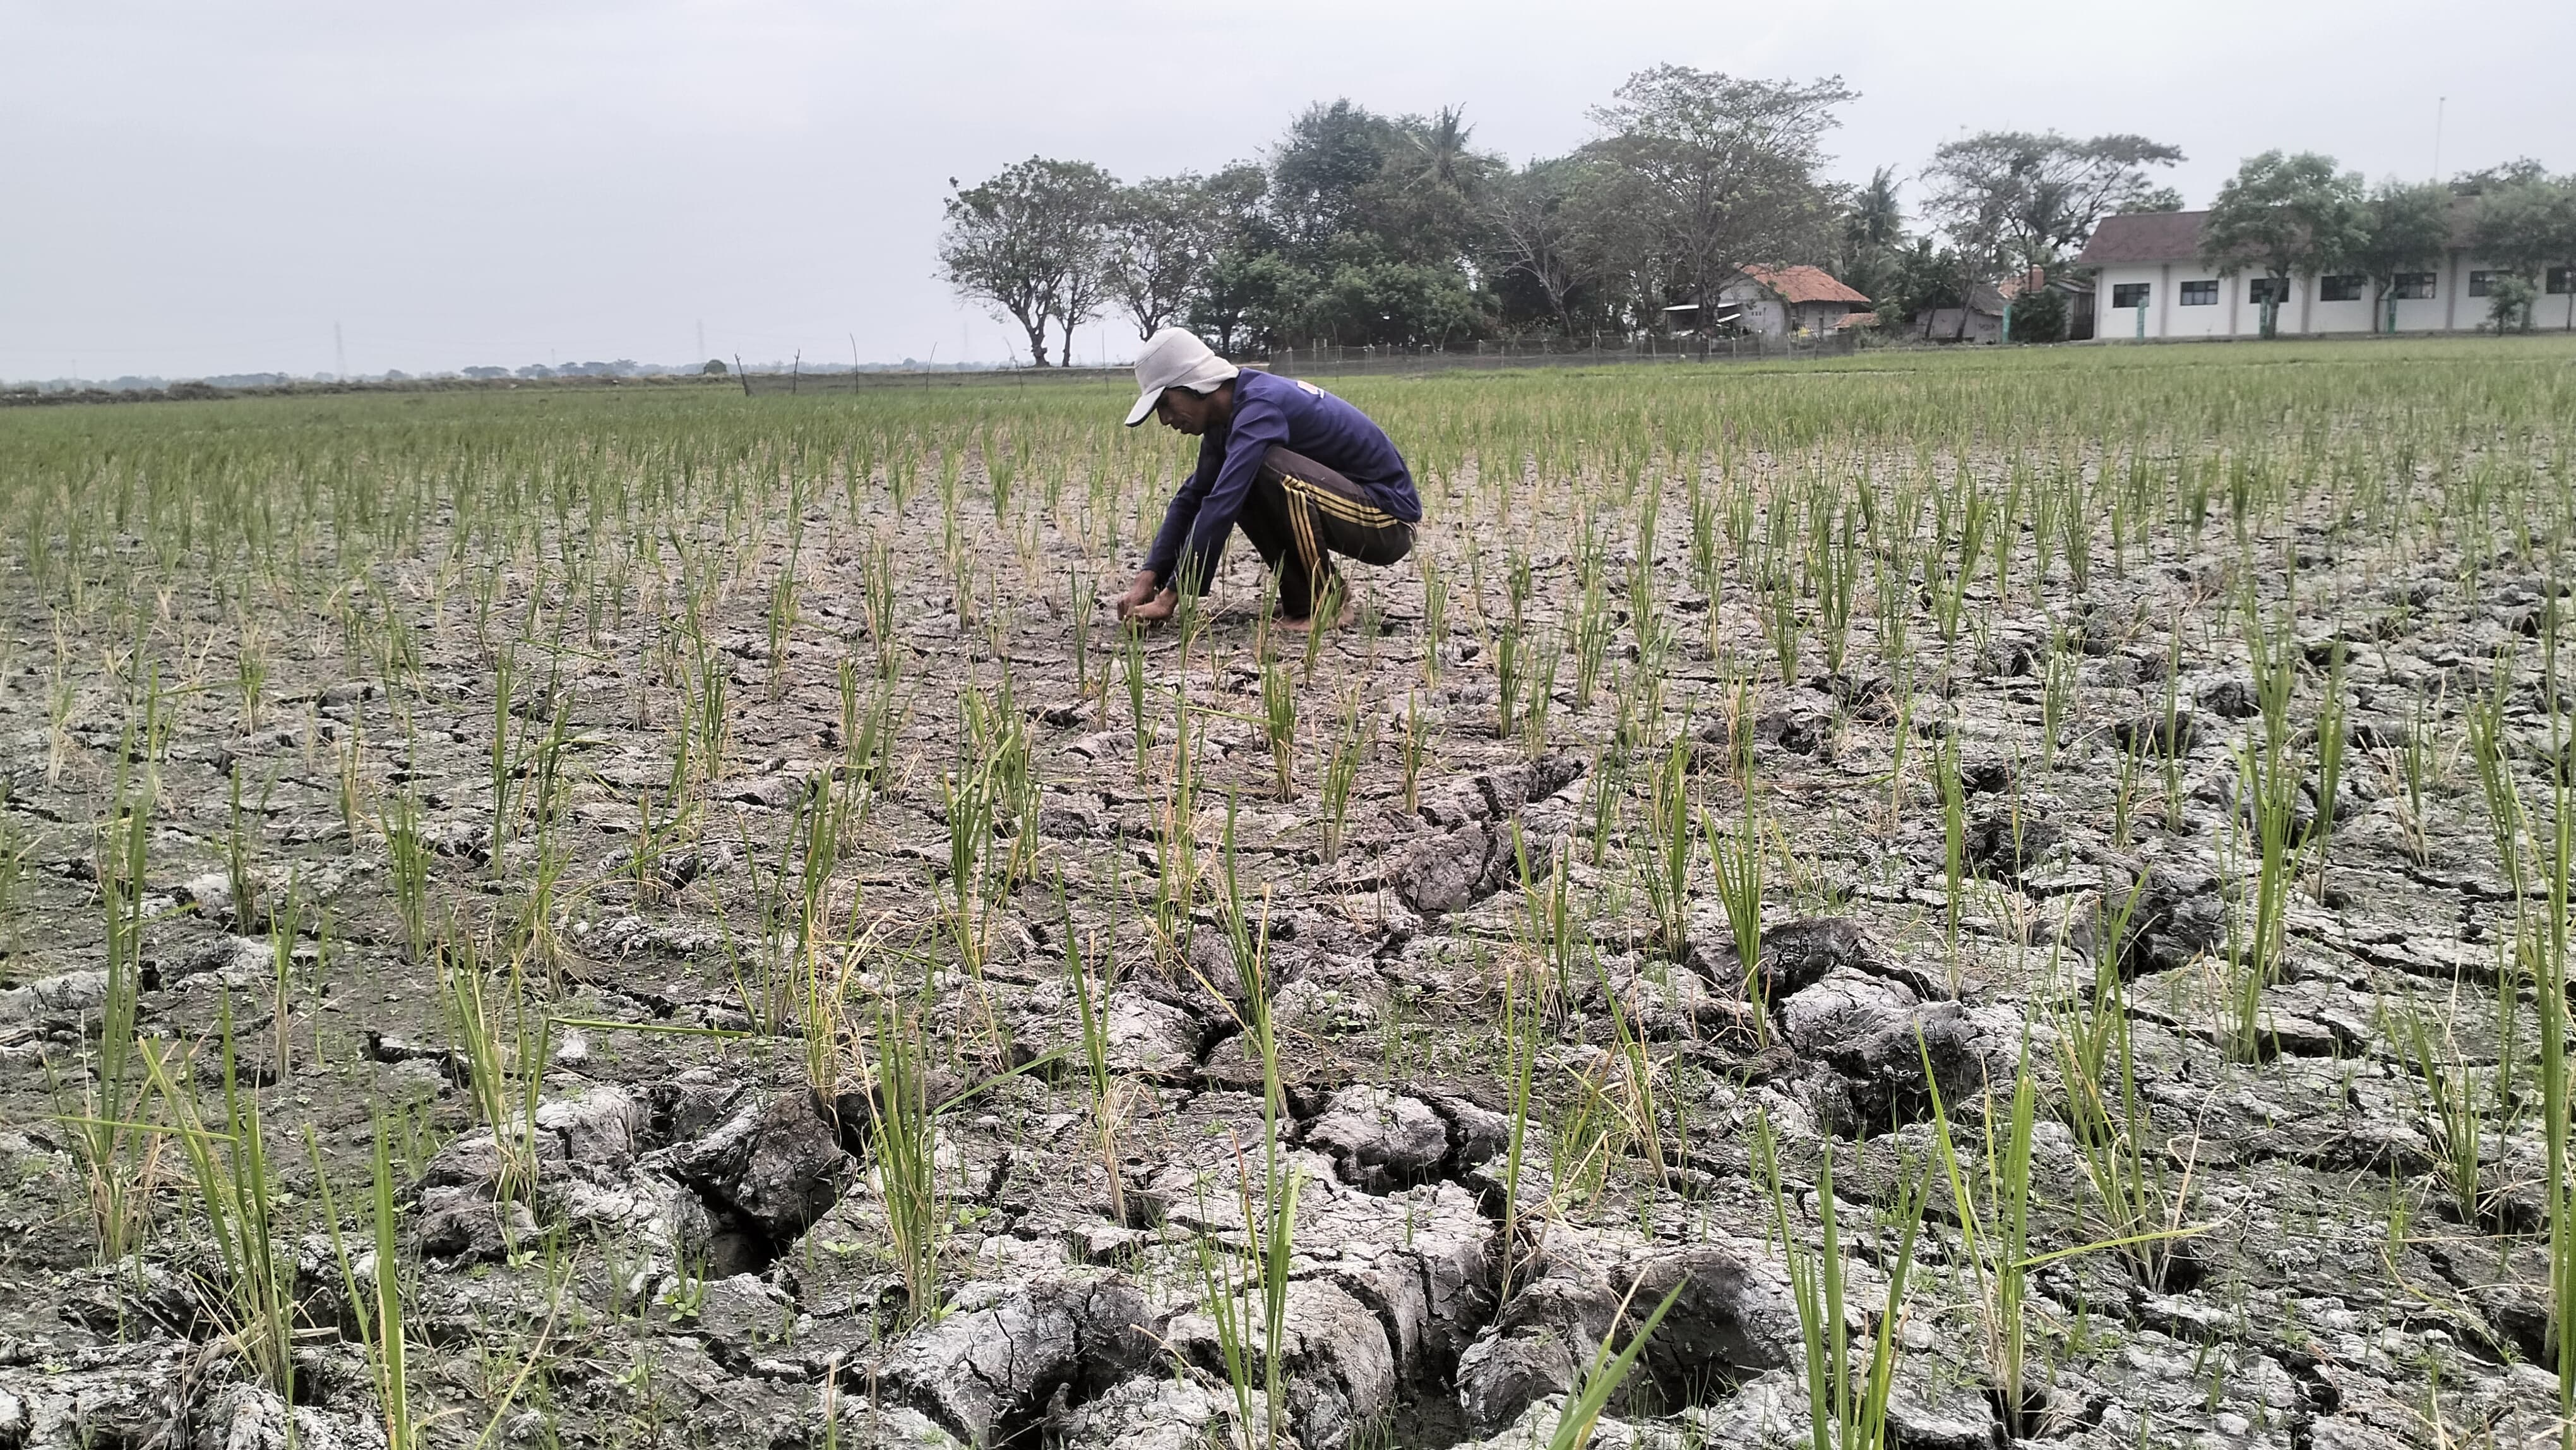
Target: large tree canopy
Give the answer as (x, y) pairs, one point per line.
(1029, 243)
(2404, 227)
(1716, 172)
(2030, 199)
(2528, 227)
(2283, 215)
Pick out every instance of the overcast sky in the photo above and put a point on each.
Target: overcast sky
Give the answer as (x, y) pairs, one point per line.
(209, 188)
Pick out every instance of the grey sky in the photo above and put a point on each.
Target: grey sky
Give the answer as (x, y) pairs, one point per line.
(207, 188)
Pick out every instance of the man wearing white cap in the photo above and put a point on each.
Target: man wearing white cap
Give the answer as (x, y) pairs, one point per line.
(1306, 475)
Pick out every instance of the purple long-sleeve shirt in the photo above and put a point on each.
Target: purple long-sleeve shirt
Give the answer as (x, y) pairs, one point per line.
(1269, 411)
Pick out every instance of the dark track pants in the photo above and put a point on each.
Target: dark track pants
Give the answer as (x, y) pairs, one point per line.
(1300, 514)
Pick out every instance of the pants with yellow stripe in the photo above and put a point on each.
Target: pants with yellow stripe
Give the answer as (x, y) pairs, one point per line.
(1300, 514)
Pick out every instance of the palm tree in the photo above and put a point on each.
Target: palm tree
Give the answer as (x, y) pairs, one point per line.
(1876, 219)
(1442, 141)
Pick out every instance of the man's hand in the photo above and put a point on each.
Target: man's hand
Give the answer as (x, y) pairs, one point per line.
(1160, 607)
(1140, 590)
(1143, 602)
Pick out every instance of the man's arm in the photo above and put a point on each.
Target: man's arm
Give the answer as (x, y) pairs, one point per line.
(1164, 556)
(1255, 429)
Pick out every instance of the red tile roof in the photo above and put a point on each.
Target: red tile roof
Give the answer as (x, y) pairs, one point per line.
(1803, 284)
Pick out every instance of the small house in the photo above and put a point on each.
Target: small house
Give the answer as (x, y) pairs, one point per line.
(1782, 301)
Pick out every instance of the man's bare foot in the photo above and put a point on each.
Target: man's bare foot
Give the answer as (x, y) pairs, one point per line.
(1299, 625)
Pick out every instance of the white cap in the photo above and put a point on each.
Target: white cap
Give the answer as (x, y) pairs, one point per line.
(1174, 358)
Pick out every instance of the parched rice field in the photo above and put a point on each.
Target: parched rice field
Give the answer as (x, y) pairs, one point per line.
(1910, 901)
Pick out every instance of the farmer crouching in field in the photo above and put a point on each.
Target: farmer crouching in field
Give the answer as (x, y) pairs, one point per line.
(1307, 475)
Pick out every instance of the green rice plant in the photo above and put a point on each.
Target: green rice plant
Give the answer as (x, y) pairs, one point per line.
(1609, 792)
(2057, 698)
(1602, 1378)
(1836, 585)
(1992, 1205)
(1435, 616)
(1780, 623)
(1326, 618)
(1636, 1108)
(877, 595)
(1510, 662)
(906, 1167)
(2141, 1202)
(870, 721)
(229, 1167)
(1341, 771)
(1279, 721)
(2447, 1094)
(1108, 1107)
(504, 1047)
(2550, 984)
(1523, 1012)
(378, 1307)
(1954, 834)
(1541, 678)
(1738, 867)
(2332, 733)
(1078, 613)
(1846, 1395)
(1665, 871)
(2506, 820)
(1231, 1281)
(1592, 631)
(1132, 667)
(119, 1151)
(969, 797)
(1415, 748)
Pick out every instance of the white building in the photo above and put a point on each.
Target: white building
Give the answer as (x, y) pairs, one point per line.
(2152, 283)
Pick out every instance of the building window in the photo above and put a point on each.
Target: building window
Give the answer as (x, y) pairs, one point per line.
(2479, 282)
(2200, 294)
(2562, 280)
(2266, 289)
(2134, 294)
(2413, 286)
(2340, 289)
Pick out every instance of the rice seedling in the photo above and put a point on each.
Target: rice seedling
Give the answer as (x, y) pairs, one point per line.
(906, 1159)
(119, 1150)
(1341, 772)
(230, 1173)
(1665, 872)
(1846, 1394)
(379, 1304)
(1279, 720)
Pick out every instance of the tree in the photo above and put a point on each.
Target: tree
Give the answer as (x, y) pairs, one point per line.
(2528, 228)
(2028, 199)
(1536, 218)
(1873, 229)
(2285, 215)
(1018, 241)
(2404, 229)
(1719, 171)
(1923, 281)
(1161, 238)
(2495, 178)
(2509, 299)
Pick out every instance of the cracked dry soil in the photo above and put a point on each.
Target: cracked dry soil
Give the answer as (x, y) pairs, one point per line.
(701, 1251)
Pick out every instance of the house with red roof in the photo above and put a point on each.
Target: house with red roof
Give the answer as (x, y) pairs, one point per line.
(1780, 301)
